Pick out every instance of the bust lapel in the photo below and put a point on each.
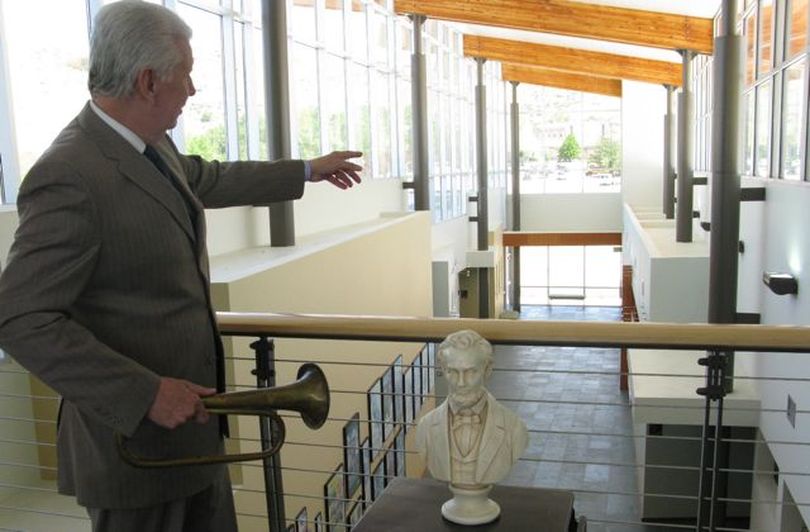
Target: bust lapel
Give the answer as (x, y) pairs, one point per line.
(492, 438)
(441, 428)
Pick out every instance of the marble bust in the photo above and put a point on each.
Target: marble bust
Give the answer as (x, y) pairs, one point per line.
(470, 440)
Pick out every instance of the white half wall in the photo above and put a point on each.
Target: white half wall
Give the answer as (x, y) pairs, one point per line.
(643, 110)
(322, 208)
(571, 212)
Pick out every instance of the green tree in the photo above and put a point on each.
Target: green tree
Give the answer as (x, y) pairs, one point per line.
(209, 145)
(569, 150)
(607, 154)
(309, 133)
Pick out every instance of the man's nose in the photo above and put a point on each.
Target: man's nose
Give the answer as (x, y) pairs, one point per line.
(192, 90)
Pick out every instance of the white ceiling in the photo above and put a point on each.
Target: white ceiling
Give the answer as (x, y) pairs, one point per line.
(693, 8)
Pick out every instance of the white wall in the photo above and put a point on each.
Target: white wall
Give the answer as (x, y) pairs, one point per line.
(571, 212)
(643, 110)
(323, 207)
(786, 248)
(749, 263)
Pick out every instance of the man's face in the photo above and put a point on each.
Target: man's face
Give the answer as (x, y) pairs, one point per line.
(465, 372)
(171, 94)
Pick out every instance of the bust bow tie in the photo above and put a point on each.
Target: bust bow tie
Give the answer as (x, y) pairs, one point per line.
(462, 419)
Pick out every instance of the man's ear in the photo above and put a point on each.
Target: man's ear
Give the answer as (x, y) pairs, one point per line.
(145, 83)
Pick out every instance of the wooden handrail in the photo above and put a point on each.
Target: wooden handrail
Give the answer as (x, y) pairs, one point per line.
(785, 338)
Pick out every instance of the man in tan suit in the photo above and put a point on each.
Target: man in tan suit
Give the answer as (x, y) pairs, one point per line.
(106, 294)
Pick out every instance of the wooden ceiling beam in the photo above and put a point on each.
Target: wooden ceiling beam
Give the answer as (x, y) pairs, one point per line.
(574, 60)
(561, 80)
(566, 17)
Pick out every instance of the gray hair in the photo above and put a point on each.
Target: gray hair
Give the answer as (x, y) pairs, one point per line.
(129, 36)
(466, 340)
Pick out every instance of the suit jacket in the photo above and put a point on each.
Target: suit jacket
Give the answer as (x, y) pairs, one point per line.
(107, 289)
(502, 443)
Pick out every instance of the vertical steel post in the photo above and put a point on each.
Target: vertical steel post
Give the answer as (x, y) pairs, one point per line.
(273, 485)
(725, 180)
(515, 273)
(483, 185)
(669, 164)
(686, 153)
(277, 110)
(421, 169)
(714, 452)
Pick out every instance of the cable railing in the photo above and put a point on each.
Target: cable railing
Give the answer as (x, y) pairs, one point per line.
(584, 436)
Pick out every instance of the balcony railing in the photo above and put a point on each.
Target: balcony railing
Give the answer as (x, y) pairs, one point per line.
(628, 458)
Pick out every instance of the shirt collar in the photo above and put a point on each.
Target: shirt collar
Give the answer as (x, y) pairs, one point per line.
(119, 128)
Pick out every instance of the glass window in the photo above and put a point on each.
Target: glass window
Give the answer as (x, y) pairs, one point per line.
(405, 128)
(256, 93)
(358, 31)
(797, 36)
(750, 113)
(359, 115)
(766, 20)
(404, 49)
(204, 114)
(379, 46)
(304, 92)
(332, 30)
(303, 20)
(792, 112)
(241, 106)
(334, 102)
(750, 48)
(763, 130)
(382, 123)
(47, 55)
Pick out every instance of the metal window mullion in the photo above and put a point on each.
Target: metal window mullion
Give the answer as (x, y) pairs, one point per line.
(806, 120)
(229, 84)
(775, 147)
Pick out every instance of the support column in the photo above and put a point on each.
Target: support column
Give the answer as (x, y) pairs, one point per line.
(686, 153)
(483, 185)
(725, 180)
(421, 171)
(669, 160)
(515, 122)
(277, 106)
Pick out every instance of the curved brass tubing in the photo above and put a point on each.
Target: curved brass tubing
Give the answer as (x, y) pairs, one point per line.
(309, 396)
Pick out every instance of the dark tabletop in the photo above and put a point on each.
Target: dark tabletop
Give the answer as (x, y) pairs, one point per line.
(409, 505)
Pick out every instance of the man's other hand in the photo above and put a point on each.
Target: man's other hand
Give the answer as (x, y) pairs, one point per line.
(178, 401)
(336, 169)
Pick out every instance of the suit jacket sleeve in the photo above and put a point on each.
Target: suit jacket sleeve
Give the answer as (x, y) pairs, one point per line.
(50, 263)
(228, 184)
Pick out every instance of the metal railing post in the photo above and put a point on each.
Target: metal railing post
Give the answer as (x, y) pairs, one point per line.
(273, 486)
(714, 390)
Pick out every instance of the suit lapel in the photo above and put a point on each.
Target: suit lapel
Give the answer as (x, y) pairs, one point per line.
(137, 168)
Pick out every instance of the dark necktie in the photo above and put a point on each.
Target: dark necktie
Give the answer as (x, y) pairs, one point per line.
(152, 154)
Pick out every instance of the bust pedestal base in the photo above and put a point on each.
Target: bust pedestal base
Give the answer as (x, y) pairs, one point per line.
(471, 506)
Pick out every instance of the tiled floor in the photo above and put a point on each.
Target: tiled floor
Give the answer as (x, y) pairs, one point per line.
(579, 459)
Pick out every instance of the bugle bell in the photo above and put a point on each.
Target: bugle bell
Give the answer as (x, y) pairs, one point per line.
(308, 395)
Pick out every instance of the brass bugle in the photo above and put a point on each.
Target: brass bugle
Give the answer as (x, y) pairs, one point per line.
(308, 395)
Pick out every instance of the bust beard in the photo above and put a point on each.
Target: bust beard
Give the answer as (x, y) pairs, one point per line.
(465, 399)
